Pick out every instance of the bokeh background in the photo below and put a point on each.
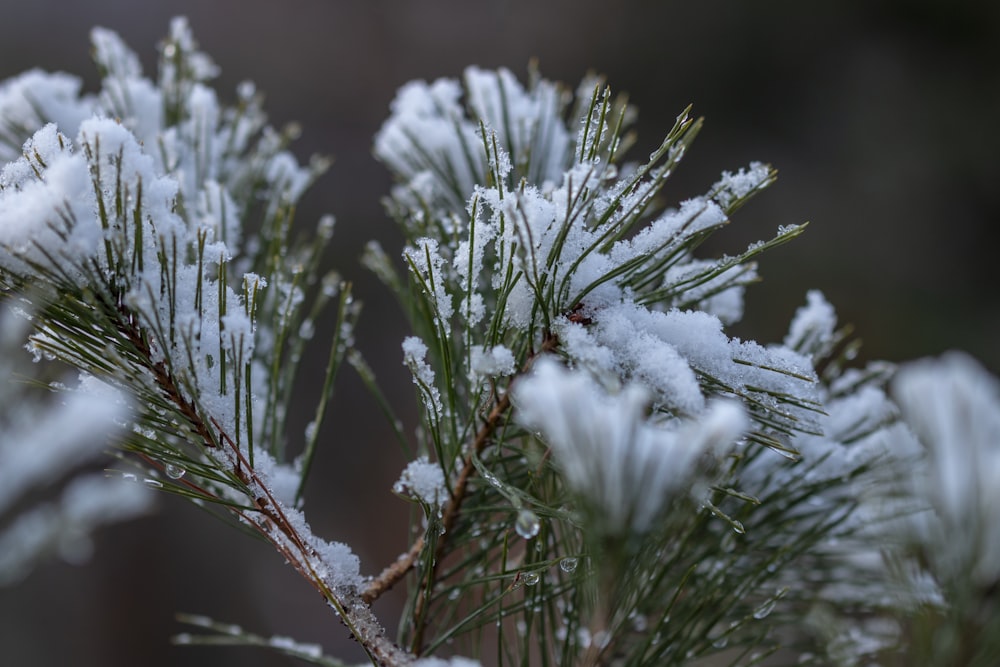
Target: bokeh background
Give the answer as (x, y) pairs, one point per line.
(881, 117)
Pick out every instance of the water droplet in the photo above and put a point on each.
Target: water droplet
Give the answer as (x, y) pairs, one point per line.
(738, 527)
(568, 565)
(174, 471)
(530, 578)
(527, 524)
(153, 483)
(720, 642)
(765, 609)
(639, 622)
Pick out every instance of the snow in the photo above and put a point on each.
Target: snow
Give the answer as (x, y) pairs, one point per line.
(731, 188)
(721, 296)
(812, 329)
(424, 481)
(425, 134)
(664, 234)
(497, 361)
(526, 122)
(952, 404)
(426, 260)
(64, 526)
(415, 358)
(343, 565)
(624, 464)
(36, 98)
(54, 212)
(44, 439)
(455, 661)
(642, 355)
(39, 443)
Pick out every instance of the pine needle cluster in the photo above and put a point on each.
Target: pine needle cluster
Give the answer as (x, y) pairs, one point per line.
(601, 474)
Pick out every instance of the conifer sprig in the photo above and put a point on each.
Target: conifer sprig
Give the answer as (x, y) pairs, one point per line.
(136, 236)
(601, 473)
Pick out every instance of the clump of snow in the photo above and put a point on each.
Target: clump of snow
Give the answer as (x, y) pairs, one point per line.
(952, 405)
(282, 479)
(624, 464)
(34, 99)
(496, 361)
(344, 566)
(41, 443)
(415, 358)
(426, 260)
(425, 134)
(811, 331)
(733, 187)
(424, 481)
(46, 207)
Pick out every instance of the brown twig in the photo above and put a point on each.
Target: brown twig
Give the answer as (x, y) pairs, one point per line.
(458, 495)
(393, 573)
(270, 519)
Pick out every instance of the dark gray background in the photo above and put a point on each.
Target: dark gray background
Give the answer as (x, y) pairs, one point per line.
(880, 116)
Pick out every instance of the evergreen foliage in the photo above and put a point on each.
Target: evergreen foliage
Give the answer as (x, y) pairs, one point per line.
(602, 474)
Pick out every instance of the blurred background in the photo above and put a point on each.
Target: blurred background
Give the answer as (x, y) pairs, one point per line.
(881, 117)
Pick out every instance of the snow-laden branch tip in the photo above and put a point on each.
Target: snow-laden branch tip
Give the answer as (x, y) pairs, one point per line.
(622, 462)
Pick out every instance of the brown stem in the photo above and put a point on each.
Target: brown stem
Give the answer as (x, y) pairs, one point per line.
(270, 519)
(451, 512)
(393, 573)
